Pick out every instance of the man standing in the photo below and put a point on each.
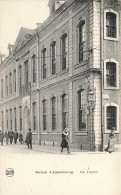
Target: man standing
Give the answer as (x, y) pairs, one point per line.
(1, 137)
(11, 136)
(15, 136)
(29, 139)
(7, 136)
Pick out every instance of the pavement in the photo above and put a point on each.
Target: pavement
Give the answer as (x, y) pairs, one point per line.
(57, 150)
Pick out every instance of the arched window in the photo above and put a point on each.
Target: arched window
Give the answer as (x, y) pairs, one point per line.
(53, 57)
(44, 63)
(64, 111)
(64, 51)
(10, 83)
(44, 114)
(53, 113)
(6, 84)
(81, 28)
(111, 24)
(111, 117)
(34, 117)
(34, 68)
(81, 110)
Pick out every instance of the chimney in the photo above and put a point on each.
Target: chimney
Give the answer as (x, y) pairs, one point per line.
(10, 48)
(54, 5)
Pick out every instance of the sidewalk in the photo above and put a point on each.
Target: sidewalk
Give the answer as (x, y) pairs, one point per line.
(57, 150)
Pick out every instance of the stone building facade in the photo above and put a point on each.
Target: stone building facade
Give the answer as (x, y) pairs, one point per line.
(66, 73)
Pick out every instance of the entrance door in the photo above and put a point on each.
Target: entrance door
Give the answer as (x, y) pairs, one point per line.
(26, 121)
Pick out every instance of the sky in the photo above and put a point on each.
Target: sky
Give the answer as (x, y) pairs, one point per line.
(15, 14)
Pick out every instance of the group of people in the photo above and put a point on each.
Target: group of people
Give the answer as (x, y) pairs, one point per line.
(10, 136)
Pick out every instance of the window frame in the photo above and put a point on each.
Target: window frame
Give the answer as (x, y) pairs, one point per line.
(117, 74)
(34, 110)
(117, 119)
(53, 59)
(64, 54)
(34, 68)
(64, 112)
(81, 41)
(117, 25)
(54, 113)
(44, 118)
(44, 63)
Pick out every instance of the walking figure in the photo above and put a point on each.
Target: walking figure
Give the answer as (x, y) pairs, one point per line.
(65, 138)
(15, 135)
(111, 143)
(7, 136)
(29, 139)
(11, 136)
(20, 138)
(1, 136)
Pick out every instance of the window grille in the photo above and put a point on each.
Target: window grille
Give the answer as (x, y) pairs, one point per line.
(111, 25)
(111, 74)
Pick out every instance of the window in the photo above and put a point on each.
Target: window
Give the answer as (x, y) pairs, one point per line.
(53, 57)
(14, 80)
(64, 111)
(6, 119)
(26, 72)
(10, 83)
(15, 119)
(44, 63)
(2, 113)
(53, 113)
(6, 80)
(111, 74)
(64, 51)
(10, 118)
(1, 88)
(44, 115)
(20, 115)
(111, 117)
(81, 40)
(111, 25)
(34, 68)
(82, 110)
(20, 76)
(34, 116)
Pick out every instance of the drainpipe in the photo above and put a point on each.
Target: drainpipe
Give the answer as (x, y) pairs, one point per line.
(102, 71)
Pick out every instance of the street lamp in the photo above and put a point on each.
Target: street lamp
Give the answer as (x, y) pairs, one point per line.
(91, 106)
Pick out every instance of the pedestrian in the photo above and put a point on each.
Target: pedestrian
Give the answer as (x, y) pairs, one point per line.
(29, 139)
(15, 135)
(111, 143)
(11, 136)
(20, 138)
(65, 138)
(1, 136)
(7, 136)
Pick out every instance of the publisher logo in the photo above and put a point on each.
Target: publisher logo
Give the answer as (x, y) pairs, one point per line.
(9, 172)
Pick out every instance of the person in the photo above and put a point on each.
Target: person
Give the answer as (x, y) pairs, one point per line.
(29, 139)
(65, 138)
(11, 136)
(15, 135)
(7, 136)
(20, 138)
(1, 137)
(111, 143)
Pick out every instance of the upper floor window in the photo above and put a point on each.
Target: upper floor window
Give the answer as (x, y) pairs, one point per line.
(44, 63)
(34, 68)
(1, 88)
(64, 111)
(34, 116)
(111, 25)
(64, 51)
(53, 113)
(6, 84)
(2, 113)
(81, 40)
(14, 80)
(111, 74)
(26, 71)
(82, 110)
(11, 118)
(53, 57)
(111, 117)
(20, 117)
(20, 76)
(44, 114)
(10, 83)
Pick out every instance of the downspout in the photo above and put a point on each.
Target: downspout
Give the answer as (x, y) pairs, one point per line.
(39, 131)
(102, 71)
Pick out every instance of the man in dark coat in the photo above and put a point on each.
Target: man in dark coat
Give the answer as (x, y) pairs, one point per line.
(1, 137)
(7, 136)
(15, 136)
(11, 136)
(20, 138)
(29, 139)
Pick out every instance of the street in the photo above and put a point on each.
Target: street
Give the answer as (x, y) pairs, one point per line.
(37, 172)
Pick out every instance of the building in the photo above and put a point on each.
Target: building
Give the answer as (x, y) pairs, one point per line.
(66, 73)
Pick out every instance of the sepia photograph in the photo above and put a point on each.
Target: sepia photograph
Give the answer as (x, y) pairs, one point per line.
(60, 97)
